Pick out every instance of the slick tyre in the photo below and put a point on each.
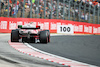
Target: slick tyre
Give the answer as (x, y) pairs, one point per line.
(15, 35)
(43, 37)
(48, 35)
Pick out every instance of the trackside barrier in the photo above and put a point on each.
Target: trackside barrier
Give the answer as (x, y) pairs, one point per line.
(7, 24)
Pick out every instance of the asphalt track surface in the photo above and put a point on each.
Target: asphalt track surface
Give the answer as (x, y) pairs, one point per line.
(9, 57)
(83, 48)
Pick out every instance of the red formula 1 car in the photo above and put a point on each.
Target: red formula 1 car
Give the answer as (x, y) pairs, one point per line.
(30, 34)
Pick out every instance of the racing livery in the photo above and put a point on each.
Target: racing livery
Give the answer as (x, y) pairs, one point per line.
(29, 33)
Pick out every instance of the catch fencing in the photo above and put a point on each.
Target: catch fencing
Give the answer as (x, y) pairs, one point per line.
(80, 10)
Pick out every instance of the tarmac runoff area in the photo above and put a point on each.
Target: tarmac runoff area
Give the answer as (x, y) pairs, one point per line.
(22, 65)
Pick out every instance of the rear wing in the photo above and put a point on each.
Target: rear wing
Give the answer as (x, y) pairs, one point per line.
(28, 27)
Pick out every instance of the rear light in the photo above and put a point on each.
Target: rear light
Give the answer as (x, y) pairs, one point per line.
(38, 27)
(36, 36)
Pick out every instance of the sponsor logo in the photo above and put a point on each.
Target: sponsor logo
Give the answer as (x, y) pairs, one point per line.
(95, 30)
(3, 25)
(54, 25)
(12, 25)
(78, 28)
(87, 29)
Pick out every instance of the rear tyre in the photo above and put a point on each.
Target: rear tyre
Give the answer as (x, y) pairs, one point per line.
(48, 35)
(43, 37)
(15, 35)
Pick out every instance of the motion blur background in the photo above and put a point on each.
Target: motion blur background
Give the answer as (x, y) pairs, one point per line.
(75, 10)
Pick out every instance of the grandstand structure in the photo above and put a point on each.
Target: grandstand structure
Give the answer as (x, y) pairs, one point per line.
(75, 10)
